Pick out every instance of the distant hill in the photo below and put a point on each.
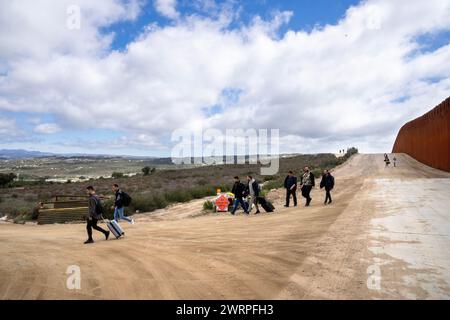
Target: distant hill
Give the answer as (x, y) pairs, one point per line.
(14, 154)
(21, 154)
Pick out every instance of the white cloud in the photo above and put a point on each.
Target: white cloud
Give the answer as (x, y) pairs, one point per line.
(47, 128)
(167, 8)
(9, 130)
(353, 83)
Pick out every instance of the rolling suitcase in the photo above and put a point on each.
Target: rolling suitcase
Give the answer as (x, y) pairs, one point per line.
(267, 205)
(115, 228)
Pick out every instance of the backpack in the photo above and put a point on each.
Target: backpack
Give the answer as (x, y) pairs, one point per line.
(126, 199)
(256, 187)
(98, 207)
(313, 180)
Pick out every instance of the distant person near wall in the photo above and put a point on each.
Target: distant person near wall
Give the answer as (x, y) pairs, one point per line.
(387, 162)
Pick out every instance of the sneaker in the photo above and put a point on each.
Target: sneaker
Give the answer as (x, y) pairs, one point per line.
(107, 234)
(286, 206)
(89, 241)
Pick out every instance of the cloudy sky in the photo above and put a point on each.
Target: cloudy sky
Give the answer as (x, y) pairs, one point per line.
(123, 77)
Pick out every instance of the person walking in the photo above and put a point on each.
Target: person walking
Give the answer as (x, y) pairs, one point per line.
(239, 193)
(306, 185)
(386, 160)
(119, 204)
(95, 213)
(327, 182)
(253, 190)
(290, 184)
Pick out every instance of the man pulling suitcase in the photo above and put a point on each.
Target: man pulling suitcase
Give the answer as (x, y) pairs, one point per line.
(95, 213)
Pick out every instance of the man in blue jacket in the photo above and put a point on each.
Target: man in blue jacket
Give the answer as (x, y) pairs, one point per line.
(119, 207)
(290, 184)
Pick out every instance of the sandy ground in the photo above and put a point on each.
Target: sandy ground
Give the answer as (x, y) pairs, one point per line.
(386, 235)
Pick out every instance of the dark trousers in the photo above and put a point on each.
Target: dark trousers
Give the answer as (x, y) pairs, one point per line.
(306, 190)
(92, 224)
(290, 192)
(243, 204)
(327, 195)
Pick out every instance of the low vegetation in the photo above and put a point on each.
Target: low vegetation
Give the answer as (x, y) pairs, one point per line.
(159, 188)
(208, 205)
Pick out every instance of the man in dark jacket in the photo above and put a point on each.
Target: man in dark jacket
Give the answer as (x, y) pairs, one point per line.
(119, 207)
(290, 184)
(95, 214)
(327, 183)
(306, 185)
(239, 193)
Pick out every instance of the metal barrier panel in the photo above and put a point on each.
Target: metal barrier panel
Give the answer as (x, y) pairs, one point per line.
(427, 138)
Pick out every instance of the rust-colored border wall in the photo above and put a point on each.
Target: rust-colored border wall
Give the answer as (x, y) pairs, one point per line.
(427, 138)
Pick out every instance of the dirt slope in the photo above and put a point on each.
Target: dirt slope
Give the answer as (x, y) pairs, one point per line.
(391, 221)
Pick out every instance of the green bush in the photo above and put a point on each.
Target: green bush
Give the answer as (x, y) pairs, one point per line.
(274, 184)
(264, 192)
(202, 191)
(117, 175)
(317, 172)
(208, 205)
(178, 196)
(147, 203)
(6, 178)
(146, 171)
(159, 201)
(108, 212)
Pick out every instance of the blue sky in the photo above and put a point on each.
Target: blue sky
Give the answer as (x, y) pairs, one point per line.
(138, 70)
(307, 15)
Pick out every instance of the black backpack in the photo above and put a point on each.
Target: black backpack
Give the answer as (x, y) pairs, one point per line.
(126, 199)
(98, 207)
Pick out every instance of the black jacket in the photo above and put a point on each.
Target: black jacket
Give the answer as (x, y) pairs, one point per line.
(255, 186)
(327, 182)
(290, 181)
(239, 190)
(118, 202)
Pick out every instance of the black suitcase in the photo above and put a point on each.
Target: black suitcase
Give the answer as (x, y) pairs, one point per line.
(266, 204)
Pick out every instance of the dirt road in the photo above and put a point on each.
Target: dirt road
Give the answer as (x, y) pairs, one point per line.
(386, 235)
